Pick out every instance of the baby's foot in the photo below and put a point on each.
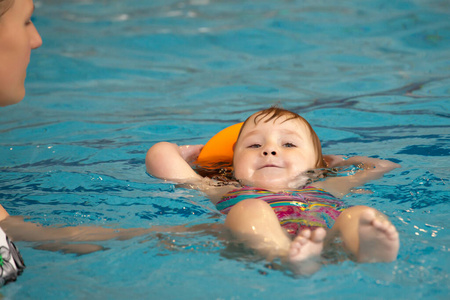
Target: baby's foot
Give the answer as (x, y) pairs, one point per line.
(305, 249)
(378, 239)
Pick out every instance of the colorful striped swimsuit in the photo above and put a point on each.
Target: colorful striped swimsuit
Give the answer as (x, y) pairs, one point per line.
(309, 207)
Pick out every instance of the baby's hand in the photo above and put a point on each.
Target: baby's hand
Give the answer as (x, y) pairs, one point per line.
(375, 164)
(190, 152)
(333, 160)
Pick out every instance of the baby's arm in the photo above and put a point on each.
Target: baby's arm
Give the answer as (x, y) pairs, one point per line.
(372, 168)
(170, 161)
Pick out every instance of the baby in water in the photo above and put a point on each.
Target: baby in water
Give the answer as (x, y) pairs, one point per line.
(274, 211)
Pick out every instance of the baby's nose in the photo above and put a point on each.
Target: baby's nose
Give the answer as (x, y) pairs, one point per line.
(273, 152)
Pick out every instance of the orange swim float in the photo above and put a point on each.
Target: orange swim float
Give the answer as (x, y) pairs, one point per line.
(219, 148)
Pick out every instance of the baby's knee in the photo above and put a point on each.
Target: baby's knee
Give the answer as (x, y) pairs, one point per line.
(250, 215)
(355, 212)
(357, 209)
(249, 209)
(251, 206)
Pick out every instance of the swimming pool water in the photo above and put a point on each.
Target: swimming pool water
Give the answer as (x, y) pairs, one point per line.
(114, 77)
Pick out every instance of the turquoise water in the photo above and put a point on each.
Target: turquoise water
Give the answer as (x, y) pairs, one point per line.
(114, 77)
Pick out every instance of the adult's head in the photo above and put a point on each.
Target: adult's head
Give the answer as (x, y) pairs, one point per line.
(18, 37)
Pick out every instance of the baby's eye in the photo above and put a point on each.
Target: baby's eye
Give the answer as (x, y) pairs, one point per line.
(254, 146)
(289, 145)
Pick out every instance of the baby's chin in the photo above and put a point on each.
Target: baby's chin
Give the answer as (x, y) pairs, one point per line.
(276, 184)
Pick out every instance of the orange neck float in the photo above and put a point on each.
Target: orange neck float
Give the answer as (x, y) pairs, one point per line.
(220, 147)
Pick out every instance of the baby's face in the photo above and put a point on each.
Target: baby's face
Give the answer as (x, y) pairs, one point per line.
(272, 155)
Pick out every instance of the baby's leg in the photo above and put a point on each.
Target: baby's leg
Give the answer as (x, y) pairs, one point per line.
(378, 239)
(368, 234)
(307, 244)
(305, 249)
(255, 224)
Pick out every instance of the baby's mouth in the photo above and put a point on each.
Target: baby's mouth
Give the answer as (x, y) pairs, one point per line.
(269, 166)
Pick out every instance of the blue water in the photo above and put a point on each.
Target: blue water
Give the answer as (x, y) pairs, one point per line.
(114, 77)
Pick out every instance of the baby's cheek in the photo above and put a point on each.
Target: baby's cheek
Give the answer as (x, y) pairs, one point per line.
(243, 174)
(238, 174)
